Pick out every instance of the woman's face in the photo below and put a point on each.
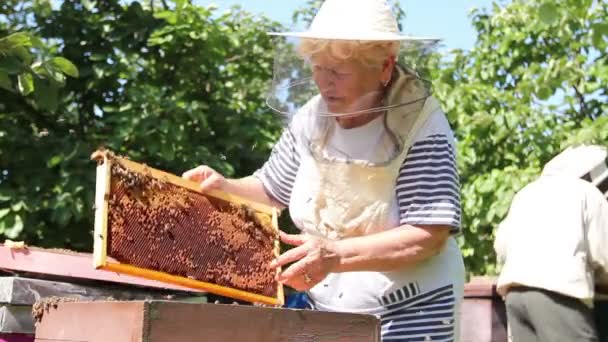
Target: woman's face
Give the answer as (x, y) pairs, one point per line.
(347, 86)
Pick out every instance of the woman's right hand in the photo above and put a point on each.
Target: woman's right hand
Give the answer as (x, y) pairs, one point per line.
(207, 177)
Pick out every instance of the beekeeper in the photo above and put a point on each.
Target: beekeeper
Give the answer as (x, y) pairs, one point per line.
(553, 249)
(366, 166)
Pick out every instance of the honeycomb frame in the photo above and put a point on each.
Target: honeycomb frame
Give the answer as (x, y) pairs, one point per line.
(101, 260)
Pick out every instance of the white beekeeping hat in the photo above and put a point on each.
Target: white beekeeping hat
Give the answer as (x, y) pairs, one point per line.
(589, 162)
(354, 20)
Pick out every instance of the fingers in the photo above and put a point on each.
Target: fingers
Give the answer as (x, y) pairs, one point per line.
(289, 256)
(196, 174)
(297, 284)
(293, 239)
(206, 176)
(296, 269)
(212, 182)
(297, 277)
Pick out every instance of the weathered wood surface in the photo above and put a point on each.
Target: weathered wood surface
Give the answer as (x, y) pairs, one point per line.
(70, 265)
(159, 321)
(483, 317)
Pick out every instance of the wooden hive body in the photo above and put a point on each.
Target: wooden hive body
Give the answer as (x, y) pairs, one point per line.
(161, 321)
(156, 225)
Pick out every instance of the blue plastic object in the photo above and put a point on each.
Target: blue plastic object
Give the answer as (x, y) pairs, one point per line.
(298, 300)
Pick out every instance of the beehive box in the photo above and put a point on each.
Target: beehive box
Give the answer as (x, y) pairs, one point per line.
(156, 225)
(161, 321)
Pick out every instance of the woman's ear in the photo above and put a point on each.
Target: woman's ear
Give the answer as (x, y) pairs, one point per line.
(387, 70)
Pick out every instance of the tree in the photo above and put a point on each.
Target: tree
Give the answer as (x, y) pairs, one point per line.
(31, 78)
(173, 86)
(534, 83)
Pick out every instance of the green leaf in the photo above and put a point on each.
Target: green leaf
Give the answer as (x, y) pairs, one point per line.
(5, 81)
(169, 16)
(24, 54)
(25, 83)
(601, 28)
(46, 95)
(18, 206)
(89, 4)
(548, 13)
(543, 93)
(10, 64)
(482, 119)
(54, 161)
(5, 197)
(65, 66)
(125, 107)
(159, 40)
(167, 151)
(15, 40)
(16, 229)
(37, 42)
(4, 212)
(55, 73)
(598, 32)
(63, 216)
(97, 57)
(43, 8)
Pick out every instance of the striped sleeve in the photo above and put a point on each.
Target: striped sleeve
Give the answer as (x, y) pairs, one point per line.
(428, 188)
(279, 172)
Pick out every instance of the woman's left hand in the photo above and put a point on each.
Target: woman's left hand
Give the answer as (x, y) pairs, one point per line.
(313, 259)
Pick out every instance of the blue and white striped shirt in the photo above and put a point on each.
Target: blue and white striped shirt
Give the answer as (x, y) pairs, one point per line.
(427, 188)
(420, 303)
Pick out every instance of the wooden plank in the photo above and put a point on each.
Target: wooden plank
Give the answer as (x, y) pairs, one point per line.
(93, 322)
(26, 291)
(102, 193)
(171, 178)
(481, 287)
(176, 322)
(71, 265)
(277, 252)
(161, 321)
(195, 284)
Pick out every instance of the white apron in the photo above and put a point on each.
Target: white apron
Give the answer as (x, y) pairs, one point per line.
(337, 198)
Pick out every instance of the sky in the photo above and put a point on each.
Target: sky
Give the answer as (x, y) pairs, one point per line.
(445, 19)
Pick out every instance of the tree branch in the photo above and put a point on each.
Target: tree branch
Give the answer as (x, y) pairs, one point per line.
(581, 101)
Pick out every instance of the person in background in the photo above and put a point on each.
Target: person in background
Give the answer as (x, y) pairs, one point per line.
(367, 169)
(553, 248)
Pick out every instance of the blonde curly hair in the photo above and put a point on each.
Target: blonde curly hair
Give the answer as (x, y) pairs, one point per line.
(368, 53)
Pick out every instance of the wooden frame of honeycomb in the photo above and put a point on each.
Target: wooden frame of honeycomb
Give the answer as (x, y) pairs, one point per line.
(155, 225)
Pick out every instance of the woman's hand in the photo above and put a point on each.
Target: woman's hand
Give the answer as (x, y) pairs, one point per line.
(206, 176)
(314, 258)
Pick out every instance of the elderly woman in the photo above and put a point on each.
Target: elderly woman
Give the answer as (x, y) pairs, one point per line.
(367, 169)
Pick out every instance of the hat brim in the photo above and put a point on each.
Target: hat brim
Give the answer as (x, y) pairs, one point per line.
(368, 36)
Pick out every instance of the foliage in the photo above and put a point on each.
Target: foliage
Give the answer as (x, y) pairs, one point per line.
(30, 78)
(172, 86)
(534, 83)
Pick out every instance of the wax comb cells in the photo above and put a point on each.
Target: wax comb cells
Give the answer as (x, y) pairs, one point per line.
(158, 225)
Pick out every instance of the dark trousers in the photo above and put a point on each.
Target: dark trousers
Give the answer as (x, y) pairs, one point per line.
(601, 319)
(537, 315)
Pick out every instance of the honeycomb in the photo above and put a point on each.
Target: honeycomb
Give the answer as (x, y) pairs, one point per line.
(155, 224)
